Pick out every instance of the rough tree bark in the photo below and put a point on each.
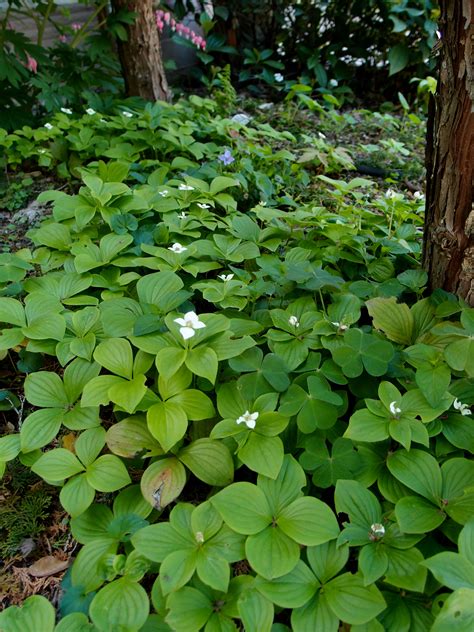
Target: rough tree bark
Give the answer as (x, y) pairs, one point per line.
(449, 225)
(140, 56)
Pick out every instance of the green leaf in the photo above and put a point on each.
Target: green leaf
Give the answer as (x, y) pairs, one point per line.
(373, 562)
(358, 503)
(466, 542)
(315, 615)
(451, 570)
(457, 613)
(177, 569)
(308, 521)
(89, 445)
(10, 447)
(202, 361)
(398, 57)
(262, 454)
(213, 570)
(86, 570)
(57, 465)
(169, 361)
(40, 428)
(128, 395)
(157, 541)
(122, 603)
(255, 611)
(417, 470)
(168, 423)
(367, 427)
(94, 523)
(107, 474)
(433, 383)
(271, 553)
(131, 438)
(210, 461)
(162, 482)
(36, 614)
(326, 560)
(353, 602)
(115, 355)
(394, 319)
(405, 569)
(292, 590)
(96, 392)
(417, 515)
(196, 404)
(77, 495)
(287, 487)
(12, 312)
(189, 610)
(243, 507)
(221, 183)
(45, 389)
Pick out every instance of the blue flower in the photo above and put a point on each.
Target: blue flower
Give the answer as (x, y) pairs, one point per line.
(227, 158)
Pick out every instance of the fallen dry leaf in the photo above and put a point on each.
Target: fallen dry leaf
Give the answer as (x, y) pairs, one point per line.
(46, 566)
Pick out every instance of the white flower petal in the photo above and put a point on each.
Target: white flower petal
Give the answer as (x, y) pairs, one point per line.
(186, 332)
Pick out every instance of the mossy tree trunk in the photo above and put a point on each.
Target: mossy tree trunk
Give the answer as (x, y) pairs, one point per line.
(449, 225)
(140, 55)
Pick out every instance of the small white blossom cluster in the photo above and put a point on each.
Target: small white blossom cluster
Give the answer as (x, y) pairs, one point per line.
(225, 277)
(293, 321)
(394, 409)
(249, 419)
(462, 408)
(377, 530)
(177, 248)
(186, 187)
(339, 326)
(189, 324)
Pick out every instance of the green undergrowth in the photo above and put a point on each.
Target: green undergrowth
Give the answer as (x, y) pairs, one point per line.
(255, 415)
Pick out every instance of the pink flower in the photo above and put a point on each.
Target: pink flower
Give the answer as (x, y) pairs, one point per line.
(62, 39)
(32, 64)
(76, 26)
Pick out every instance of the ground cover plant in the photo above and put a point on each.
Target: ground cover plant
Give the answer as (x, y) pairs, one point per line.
(248, 408)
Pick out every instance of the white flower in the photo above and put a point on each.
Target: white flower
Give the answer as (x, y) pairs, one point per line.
(262, 203)
(178, 248)
(377, 530)
(90, 111)
(292, 320)
(333, 83)
(322, 136)
(249, 419)
(163, 193)
(127, 114)
(390, 194)
(225, 277)
(41, 151)
(418, 195)
(186, 187)
(265, 106)
(48, 126)
(103, 120)
(278, 77)
(199, 535)
(394, 409)
(463, 408)
(243, 119)
(189, 323)
(66, 110)
(202, 205)
(182, 215)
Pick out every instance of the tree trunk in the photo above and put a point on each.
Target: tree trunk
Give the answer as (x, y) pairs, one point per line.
(448, 253)
(140, 56)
